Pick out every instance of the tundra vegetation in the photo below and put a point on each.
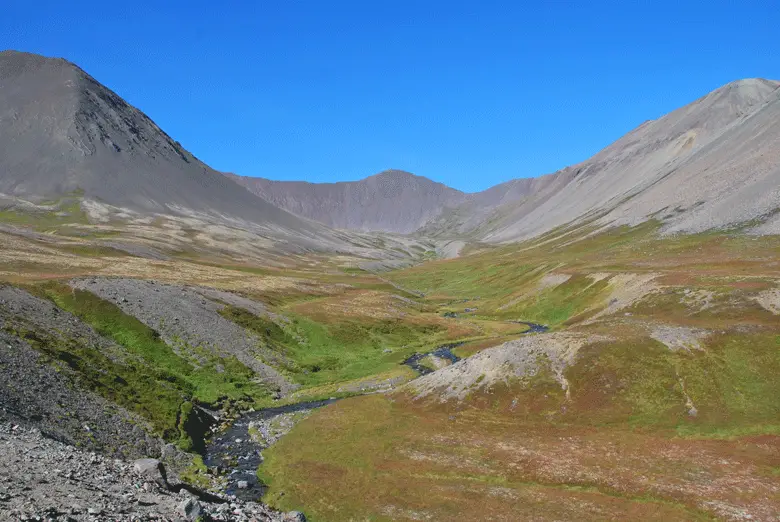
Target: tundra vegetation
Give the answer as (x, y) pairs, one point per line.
(667, 409)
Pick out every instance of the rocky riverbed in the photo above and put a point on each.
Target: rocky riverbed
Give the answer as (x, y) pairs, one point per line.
(235, 453)
(442, 353)
(45, 480)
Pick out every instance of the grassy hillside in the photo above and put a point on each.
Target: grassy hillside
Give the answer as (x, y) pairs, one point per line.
(669, 411)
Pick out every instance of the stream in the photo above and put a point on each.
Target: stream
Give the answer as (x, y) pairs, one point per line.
(532, 327)
(443, 352)
(235, 453)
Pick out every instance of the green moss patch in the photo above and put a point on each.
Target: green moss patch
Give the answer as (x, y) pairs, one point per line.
(339, 351)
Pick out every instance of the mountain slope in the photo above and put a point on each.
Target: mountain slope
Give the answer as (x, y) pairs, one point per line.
(391, 201)
(711, 164)
(62, 132)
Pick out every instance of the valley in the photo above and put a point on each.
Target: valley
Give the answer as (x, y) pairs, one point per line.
(651, 395)
(601, 343)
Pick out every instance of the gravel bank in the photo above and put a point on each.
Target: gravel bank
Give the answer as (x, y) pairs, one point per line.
(42, 479)
(188, 316)
(39, 393)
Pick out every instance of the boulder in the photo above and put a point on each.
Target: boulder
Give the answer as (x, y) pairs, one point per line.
(190, 509)
(151, 469)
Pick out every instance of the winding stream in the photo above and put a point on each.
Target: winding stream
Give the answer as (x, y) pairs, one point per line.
(235, 453)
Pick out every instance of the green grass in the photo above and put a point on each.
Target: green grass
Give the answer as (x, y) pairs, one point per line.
(196, 473)
(65, 212)
(731, 382)
(497, 273)
(558, 304)
(353, 459)
(154, 394)
(94, 251)
(341, 350)
(158, 383)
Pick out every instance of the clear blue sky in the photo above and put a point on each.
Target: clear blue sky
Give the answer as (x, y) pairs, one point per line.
(467, 93)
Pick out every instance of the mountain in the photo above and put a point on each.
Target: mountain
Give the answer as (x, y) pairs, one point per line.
(62, 132)
(711, 164)
(714, 163)
(391, 201)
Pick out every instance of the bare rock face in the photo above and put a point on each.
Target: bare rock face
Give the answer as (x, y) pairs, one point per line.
(151, 469)
(190, 509)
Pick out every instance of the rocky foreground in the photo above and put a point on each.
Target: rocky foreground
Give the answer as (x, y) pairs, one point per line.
(43, 479)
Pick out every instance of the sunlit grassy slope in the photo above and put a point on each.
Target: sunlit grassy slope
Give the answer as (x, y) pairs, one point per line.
(671, 411)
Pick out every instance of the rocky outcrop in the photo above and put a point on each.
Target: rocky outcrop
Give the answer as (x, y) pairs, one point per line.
(42, 479)
(512, 360)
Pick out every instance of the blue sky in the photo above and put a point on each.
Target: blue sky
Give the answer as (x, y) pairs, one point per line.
(467, 93)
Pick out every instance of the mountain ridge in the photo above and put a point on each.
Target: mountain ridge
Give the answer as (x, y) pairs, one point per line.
(710, 164)
(376, 203)
(634, 164)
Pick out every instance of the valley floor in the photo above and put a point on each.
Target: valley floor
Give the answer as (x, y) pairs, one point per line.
(653, 395)
(390, 459)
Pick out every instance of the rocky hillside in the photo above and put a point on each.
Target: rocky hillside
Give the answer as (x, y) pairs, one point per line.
(391, 201)
(710, 164)
(62, 133)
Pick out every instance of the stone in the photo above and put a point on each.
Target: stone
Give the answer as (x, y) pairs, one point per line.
(294, 516)
(151, 469)
(169, 452)
(190, 509)
(242, 484)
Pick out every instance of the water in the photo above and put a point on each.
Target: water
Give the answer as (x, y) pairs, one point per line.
(443, 352)
(234, 449)
(532, 327)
